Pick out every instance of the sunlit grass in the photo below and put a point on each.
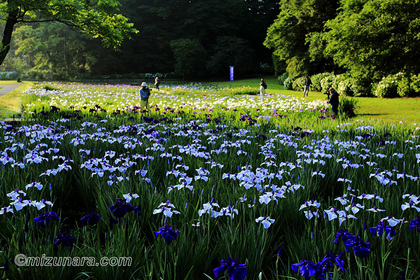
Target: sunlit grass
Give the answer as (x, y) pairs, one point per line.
(11, 103)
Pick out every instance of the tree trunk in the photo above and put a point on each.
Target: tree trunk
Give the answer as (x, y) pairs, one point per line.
(7, 33)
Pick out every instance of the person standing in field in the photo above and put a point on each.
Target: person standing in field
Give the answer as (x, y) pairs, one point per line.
(334, 101)
(263, 86)
(306, 86)
(157, 83)
(144, 96)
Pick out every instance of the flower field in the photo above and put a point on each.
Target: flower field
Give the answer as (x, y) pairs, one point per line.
(212, 183)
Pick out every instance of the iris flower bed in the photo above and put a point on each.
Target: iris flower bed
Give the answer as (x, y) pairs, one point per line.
(206, 186)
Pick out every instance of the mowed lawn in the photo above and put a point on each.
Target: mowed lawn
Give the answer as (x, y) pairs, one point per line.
(369, 108)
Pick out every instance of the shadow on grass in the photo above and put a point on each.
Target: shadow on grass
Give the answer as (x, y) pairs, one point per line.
(369, 114)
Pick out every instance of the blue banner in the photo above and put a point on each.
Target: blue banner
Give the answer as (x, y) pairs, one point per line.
(231, 73)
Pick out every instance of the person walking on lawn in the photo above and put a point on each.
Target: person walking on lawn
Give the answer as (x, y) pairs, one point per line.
(144, 96)
(263, 86)
(306, 86)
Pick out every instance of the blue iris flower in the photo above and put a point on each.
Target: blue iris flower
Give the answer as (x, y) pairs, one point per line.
(360, 248)
(167, 233)
(45, 218)
(383, 227)
(415, 224)
(121, 207)
(64, 239)
(344, 234)
(91, 218)
(235, 270)
(328, 262)
(306, 268)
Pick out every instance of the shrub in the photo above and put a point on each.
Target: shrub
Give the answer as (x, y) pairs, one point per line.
(288, 83)
(12, 75)
(344, 85)
(316, 81)
(298, 83)
(388, 86)
(415, 84)
(283, 77)
(347, 107)
(327, 82)
(404, 85)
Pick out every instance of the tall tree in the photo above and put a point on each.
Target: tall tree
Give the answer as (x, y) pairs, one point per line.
(97, 17)
(290, 34)
(64, 54)
(375, 38)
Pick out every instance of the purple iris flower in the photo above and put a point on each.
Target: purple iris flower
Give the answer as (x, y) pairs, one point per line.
(167, 233)
(91, 218)
(306, 268)
(360, 248)
(121, 207)
(344, 234)
(45, 218)
(383, 227)
(235, 270)
(328, 262)
(64, 239)
(415, 224)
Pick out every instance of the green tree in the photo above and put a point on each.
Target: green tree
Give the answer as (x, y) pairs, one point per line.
(292, 35)
(190, 57)
(96, 17)
(375, 38)
(63, 54)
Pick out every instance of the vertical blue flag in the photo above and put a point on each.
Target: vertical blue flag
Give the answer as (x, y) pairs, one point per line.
(231, 73)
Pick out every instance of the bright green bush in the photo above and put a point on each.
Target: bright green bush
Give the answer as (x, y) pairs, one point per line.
(288, 83)
(298, 83)
(344, 85)
(415, 84)
(404, 86)
(327, 82)
(316, 81)
(347, 107)
(388, 86)
(283, 77)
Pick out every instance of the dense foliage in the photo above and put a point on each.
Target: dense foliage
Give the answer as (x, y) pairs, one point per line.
(98, 18)
(367, 39)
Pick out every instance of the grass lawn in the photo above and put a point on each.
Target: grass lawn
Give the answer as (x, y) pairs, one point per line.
(11, 103)
(369, 108)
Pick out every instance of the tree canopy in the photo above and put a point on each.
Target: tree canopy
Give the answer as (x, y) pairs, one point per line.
(97, 17)
(369, 39)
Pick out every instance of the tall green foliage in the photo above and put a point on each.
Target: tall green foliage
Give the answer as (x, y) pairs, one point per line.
(95, 17)
(375, 38)
(295, 35)
(190, 58)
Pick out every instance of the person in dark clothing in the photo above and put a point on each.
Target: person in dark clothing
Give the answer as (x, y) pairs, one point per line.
(334, 101)
(306, 86)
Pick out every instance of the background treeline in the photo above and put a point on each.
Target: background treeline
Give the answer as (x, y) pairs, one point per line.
(194, 39)
(364, 47)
